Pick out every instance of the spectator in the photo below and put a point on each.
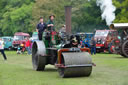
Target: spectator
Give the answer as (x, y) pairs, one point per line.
(93, 46)
(63, 29)
(85, 43)
(2, 49)
(23, 47)
(19, 50)
(28, 45)
(31, 44)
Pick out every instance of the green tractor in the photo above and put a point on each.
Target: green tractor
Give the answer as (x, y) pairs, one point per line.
(63, 52)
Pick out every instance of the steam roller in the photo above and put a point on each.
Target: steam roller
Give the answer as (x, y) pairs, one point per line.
(69, 59)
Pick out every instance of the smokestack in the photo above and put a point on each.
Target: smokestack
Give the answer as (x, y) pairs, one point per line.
(68, 19)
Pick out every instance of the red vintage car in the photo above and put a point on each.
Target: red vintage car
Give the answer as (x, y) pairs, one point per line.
(19, 38)
(104, 39)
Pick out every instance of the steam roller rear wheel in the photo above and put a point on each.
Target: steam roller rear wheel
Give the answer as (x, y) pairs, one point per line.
(77, 64)
(38, 58)
(125, 49)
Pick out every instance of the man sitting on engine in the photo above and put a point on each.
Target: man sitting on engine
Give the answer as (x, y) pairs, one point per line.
(74, 42)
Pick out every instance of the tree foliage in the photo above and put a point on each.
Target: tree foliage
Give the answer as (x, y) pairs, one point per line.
(15, 16)
(23, 15)
(86, 16)
(121, 11)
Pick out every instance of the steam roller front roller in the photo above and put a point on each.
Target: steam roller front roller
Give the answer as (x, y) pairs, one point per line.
(76, 64)
(38, 56)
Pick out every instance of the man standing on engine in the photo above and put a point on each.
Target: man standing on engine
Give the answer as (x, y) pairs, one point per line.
(40, 28)
(50, 23)
(50, 29)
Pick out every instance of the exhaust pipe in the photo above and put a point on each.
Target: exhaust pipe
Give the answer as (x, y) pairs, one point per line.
(68, 19)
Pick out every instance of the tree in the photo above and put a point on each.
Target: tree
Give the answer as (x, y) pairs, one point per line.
(121, 11)
(15, 16)
(88, 17)
(23, 15)
(44, 8)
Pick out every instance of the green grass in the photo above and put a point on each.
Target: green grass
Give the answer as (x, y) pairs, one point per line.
(111, 69)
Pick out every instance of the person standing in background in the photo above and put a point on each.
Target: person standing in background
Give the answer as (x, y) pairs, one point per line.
(86, 43)
(28, 45)
(2, 49)
(63, 29)
(40, 28)
(93, 46)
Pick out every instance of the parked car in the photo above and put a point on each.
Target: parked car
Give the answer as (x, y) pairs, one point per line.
(34, 36)
(19, 38)
(81, 35)
(8, 42)
(104, 38)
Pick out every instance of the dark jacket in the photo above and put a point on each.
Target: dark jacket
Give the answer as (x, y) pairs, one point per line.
(41, 27)
(93, 43)
(50, 27)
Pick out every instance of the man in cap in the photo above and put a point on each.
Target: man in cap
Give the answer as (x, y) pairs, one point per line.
(50, 23)
(2, 49)
(50, 28)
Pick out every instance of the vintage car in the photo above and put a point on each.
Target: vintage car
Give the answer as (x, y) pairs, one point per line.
(19, 38)
(82, 35)
(7, 42)
(104, 38)
(34, 37)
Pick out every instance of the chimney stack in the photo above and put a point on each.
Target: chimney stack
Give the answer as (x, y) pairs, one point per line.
(68, 19)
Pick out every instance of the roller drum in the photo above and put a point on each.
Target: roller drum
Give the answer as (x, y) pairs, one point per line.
(75, 72)
(77, 64)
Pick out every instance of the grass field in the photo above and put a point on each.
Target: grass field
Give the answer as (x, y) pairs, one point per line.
(111, 69)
